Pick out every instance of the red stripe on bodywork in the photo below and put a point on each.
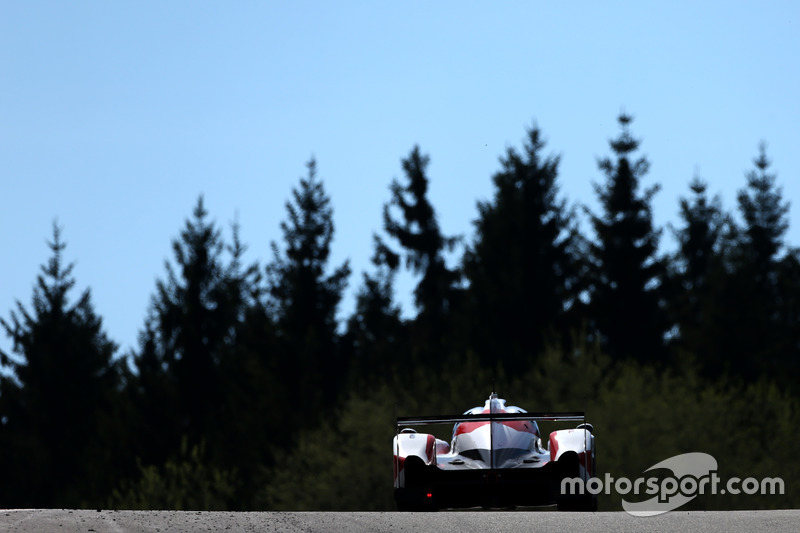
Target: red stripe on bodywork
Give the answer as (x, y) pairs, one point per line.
(430, 448)
(586, 460)
(399, 462)
(553, 446)
(518, 425)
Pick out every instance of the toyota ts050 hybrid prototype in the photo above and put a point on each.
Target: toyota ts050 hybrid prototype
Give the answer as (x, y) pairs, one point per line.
(495, 460)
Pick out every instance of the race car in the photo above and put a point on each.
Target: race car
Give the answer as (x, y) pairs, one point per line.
(495, 459)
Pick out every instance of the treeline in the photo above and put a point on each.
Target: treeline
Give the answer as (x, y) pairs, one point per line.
(246, 393)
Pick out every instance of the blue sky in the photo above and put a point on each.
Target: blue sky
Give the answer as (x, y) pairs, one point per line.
(116, 116)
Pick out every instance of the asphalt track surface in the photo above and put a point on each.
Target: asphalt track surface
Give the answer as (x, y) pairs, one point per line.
(67, 521)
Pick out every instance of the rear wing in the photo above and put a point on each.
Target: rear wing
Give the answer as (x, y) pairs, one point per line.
(404, 421)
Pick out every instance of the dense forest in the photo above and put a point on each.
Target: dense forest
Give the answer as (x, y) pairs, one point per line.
(246, 393)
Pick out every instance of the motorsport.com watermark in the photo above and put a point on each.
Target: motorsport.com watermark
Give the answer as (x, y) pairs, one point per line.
(693, 474)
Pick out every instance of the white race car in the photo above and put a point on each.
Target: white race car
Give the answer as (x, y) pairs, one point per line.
(495, 460)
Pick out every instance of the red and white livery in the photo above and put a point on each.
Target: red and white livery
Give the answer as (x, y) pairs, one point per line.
(495, 459)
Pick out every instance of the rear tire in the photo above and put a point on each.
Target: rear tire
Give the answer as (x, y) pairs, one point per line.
(580, 503)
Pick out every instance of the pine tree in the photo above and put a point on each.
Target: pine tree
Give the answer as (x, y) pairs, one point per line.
(306, 298)
(244, 424)
(757, 266)
(627, 271)
(59, 398)
(698, 278)
(376, 334)
(699, 239)
(192, 322)
(764, 212)
(423, 249)
(785, 368)
(523, 267)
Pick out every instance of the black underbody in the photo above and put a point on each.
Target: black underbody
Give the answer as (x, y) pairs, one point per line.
(429, 487)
